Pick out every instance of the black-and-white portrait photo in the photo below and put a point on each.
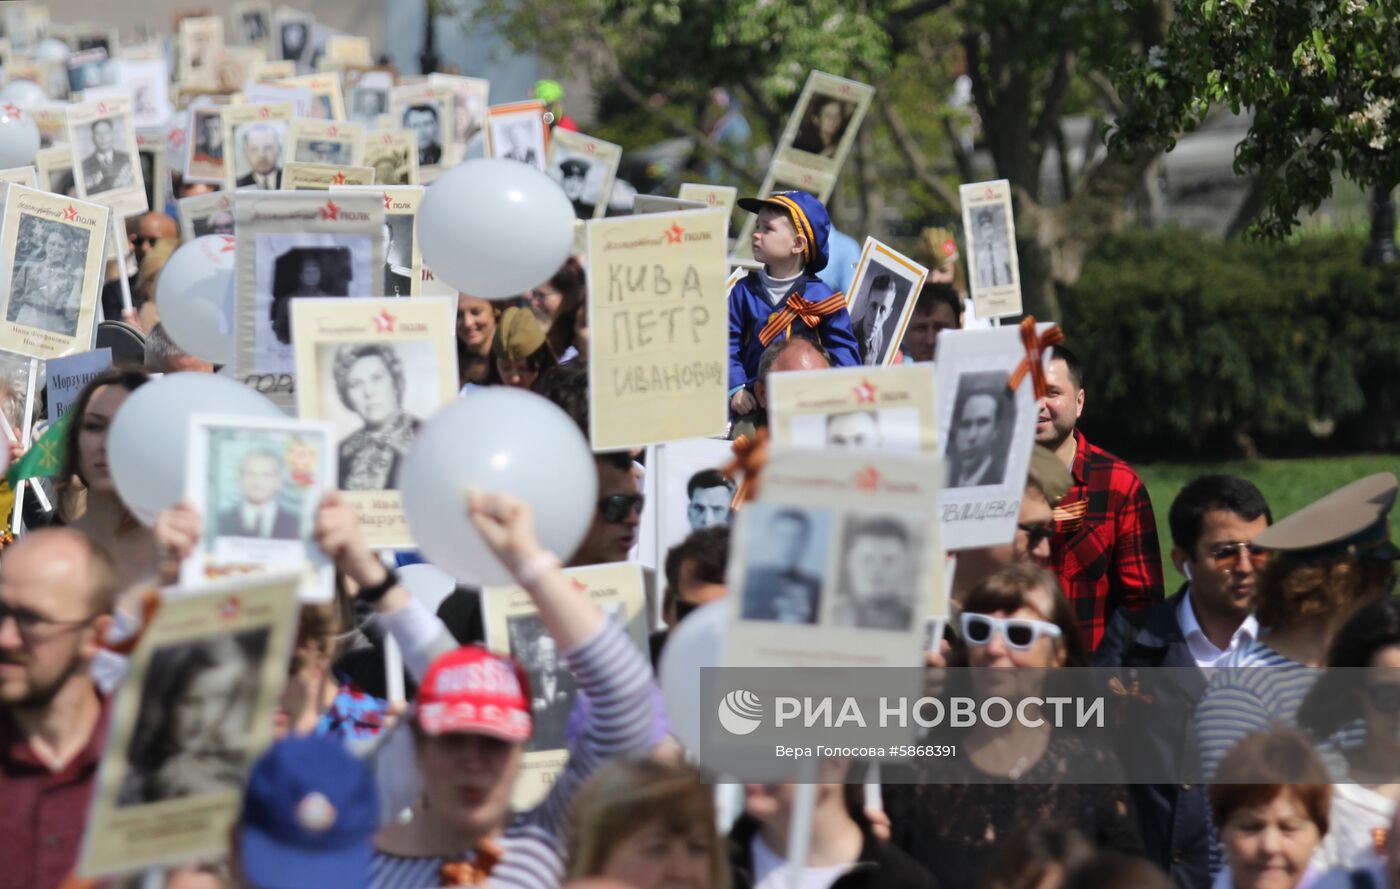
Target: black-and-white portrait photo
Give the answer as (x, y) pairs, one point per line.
(61, 181)
(219, 222)
(306, 271)
(824, 123)
(325, 151)
(991, 250)
(786, 551)
(150, 171)
(519, 137)
(709, 496)
(552, 686)
(257, 502)
(573, 173)
(391, 167)
(255, 25)
(192, 729)
(90, 69)
(15, 370)
(878, 572)
(208, 136)
(294, 39)
(425, 120)
(258, 154)
(979, 439)
(853, 429)
(398, 255)
(885, 429)
(367, 103)
(377, 394)
(107, 155)
(877, 309)
(46, 283)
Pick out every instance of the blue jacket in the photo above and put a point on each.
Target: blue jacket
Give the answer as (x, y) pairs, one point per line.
(749, 311)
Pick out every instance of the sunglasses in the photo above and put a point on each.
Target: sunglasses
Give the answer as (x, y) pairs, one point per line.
(1037, 533)
(1384, 697)
(1227, 554)
(1018, 632)
(619, 506)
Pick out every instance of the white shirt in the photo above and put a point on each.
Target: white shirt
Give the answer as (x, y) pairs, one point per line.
(259, 518)
(770, 870)
(1203, 651)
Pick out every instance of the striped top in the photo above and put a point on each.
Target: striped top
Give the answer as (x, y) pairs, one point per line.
(1255, 689)
(619, 723)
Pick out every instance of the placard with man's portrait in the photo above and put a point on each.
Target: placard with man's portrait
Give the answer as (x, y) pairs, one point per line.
(200, 39)
(291, 246)
(204, 144)
(881, 300)
(255, 145)
(258, 483)
(403, 263)
(470, 99)
(292, 38)
(251, 23)
(854, 408)
(54, 168)
(333, 142)
(429, 110)
(155, 176)
(986, 431)
(394, 156)
(327, 99)
(376, 369)
(51, 257)
(205, 214)
(585, 168)
(993, 270)
(693, 494)
(516, 131)
(191, 716)
(106, 169)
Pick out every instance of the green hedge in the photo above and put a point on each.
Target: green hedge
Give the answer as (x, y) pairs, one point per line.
(1195, 347)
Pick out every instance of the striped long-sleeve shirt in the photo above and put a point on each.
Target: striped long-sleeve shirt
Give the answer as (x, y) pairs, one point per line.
(619, 723)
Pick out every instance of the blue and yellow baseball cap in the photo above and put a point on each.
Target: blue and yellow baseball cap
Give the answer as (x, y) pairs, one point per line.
(808, 215)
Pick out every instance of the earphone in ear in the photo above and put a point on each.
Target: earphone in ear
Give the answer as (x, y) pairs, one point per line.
(1186, 569)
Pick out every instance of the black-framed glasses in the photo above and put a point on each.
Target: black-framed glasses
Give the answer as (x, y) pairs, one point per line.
(619, 506)
(1036, 533)
(1227, 554)
(1384, 696)
(33, 626)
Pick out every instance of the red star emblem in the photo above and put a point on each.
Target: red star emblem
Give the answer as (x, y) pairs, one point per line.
(330, 131)
(384, 322)
(578, 585)
(11, 110)
(338, 178)
(865, 392)
(989, 194)
(330, 211)
(101, 107)
(177, 137)
(868, 479)
(228, 244)
(673, 234)
(388, 139)
(230, 609)
(387, 200)
(71, 213)
(264, 112)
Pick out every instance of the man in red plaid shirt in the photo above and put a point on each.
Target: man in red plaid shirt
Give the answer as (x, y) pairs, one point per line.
(1105, 546)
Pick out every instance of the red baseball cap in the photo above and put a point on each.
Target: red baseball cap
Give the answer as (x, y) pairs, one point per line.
(473, 691)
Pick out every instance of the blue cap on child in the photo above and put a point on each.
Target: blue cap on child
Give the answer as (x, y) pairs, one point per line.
(808, 215)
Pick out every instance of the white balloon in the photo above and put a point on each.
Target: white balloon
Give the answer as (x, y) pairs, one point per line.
(19, 137)
(51, 49)
(495, 228)
(429, 584)
(147, 441)
(192, 296)
(695, 643)
(23, 93)
(502, 440)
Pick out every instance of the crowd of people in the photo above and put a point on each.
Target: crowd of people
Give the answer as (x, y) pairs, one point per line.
(1298, 758)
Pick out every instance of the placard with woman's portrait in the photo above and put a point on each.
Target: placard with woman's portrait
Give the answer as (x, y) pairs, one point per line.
(376, 369)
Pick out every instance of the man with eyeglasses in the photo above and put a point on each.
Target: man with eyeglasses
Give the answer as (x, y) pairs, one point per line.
(614, 530)
(1213, 521)
(57, 591)
(150, 227)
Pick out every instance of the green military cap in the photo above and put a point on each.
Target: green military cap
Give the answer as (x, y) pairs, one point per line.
(1049, 474)
(1352, 520)
(518, 334)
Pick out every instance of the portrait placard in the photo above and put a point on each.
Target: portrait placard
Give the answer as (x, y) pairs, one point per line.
(335, 142)
(394, 156)
(292, 246)
(147, 83)
(170, 783)
(90, 70)
(52, 121)
(54, 167)
(585, 168)
(105, 167)
(255, 142)
(838, 564)
(429, 110)
(235, 65)
(320, 177)
(692, 494)
(864, 408)
(26, 176)
(643, 204)
(881, 300)
(263, 93)
(205, 214)
(993, 273)
(376, 369)
(824, 123)
(251, 22)
(51, 258)
(327, 101)
(513, 627)
(204, 144)
(200, 40)
(258, 483)
(68, 375)
(403, 264)
(368, 100)
(723, 197)
(986, 432)
(293, 38)
(349, 49)
(155, 176)
(470, 98)
(20, 377)
(85, 37)
(658, 312)
(516, 131)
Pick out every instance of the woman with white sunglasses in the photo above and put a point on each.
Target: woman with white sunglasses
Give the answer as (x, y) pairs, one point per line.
(1007, 780)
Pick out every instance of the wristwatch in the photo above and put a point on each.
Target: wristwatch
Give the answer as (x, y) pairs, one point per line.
(372, 594)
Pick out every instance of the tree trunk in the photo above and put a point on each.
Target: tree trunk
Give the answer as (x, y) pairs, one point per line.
(1381, 249)
(428, 58)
